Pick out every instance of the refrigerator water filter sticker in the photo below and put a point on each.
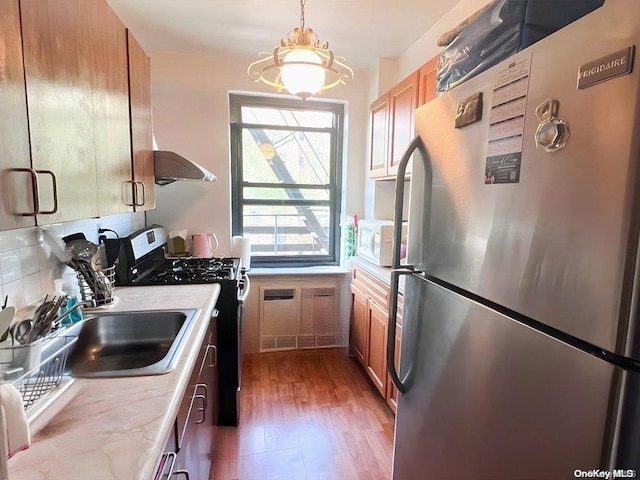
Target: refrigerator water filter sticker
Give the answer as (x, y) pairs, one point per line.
(506, 123)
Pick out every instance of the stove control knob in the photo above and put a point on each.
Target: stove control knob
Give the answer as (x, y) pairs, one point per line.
(241, 284)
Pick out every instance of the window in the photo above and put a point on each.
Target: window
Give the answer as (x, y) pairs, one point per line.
(286, 179)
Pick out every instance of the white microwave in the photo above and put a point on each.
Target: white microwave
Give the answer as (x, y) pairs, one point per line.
(375, 241)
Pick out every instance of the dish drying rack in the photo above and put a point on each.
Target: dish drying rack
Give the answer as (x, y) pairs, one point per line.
(40, 378)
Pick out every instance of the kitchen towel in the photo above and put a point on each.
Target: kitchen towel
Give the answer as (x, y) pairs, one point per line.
(16, 432)
(241, 247)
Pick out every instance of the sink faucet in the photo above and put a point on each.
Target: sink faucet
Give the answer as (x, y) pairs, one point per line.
(85, 303)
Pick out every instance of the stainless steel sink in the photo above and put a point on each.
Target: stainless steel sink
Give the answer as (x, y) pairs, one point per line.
(124, 344)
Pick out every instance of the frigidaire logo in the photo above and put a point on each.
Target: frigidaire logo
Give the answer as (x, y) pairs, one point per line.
(604, 68)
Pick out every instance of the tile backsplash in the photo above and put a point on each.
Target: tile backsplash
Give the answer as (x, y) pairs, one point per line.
(28, 264)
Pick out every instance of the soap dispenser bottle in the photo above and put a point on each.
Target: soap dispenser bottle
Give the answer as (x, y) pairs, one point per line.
(69, 288)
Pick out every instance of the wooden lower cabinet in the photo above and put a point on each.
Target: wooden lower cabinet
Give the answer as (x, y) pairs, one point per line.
(359, 324)
(377, 358)
(368, 333)
(197, 414)
(392, 392)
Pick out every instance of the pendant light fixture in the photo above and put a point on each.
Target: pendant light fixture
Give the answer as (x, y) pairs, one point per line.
(302, 64)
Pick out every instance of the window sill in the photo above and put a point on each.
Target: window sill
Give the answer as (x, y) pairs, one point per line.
(298, 271)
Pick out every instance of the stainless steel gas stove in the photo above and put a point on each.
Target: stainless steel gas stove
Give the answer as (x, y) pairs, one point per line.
(140, 260)
(193, 270)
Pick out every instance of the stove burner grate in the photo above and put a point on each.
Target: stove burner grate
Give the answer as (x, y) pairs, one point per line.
(193, 270)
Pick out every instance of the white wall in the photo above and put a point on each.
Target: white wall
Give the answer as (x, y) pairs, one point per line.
(191, 117)
(380, 195)
(425, 47)
(28, 265)
(190, 98)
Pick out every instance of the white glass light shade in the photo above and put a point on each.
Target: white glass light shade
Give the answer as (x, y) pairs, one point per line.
(302, 73)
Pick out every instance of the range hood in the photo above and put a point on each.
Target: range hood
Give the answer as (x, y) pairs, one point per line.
(171, 167)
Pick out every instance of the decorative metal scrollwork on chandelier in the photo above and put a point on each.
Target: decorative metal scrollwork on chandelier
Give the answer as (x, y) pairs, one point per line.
(302, 64)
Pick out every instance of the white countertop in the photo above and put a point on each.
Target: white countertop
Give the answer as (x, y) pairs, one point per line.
(116, 428)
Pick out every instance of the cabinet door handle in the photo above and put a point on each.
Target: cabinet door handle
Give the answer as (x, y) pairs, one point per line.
(167, 459)
(34, 191)
(54, 182)
(202, 410)
(144, 195)
(202, 397)
(133, 193)
(215, 355)
(182, 472)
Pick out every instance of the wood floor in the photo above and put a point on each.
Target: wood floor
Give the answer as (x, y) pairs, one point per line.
(308, 414)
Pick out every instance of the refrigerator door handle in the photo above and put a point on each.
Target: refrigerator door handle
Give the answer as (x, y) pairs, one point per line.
(397, 269)
(391, 328)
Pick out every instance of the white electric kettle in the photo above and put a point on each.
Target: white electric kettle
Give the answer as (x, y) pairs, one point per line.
(203, 245)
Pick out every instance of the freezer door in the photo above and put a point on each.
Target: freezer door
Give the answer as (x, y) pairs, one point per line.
(558, 245)
(488, 398)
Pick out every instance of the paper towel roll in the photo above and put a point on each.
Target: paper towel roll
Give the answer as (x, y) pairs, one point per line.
(241, 247)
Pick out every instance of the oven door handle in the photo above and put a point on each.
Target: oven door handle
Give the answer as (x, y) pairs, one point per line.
(247, 287)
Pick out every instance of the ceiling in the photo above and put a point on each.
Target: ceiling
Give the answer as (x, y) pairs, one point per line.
(359, 30)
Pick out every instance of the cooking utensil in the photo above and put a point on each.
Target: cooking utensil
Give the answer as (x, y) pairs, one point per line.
(81, 250)
(6, 317)
(43, 323)
(99, 286)
(21, 331)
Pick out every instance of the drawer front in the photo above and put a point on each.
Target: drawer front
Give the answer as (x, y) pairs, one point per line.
(375, 289)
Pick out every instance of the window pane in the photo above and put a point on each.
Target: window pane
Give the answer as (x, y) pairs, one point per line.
(256, 193)
(287, 230)
(285, 156)
(286, 117)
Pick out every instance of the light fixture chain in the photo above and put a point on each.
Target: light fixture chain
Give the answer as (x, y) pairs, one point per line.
(302, 3)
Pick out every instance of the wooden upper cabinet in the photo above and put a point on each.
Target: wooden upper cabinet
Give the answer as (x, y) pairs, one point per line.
(58, 58)
(392, 120)
(141, 125)
(379, 139)
(392, 127)
(403, 100)
(16, 199)
(427, 81)
(77, 86)
(110, 92)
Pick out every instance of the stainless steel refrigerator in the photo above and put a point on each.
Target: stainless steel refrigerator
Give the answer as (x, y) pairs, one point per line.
(520, 349)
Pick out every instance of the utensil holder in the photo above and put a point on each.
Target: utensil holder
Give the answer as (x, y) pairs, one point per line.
(97, 286)
(25, 356)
